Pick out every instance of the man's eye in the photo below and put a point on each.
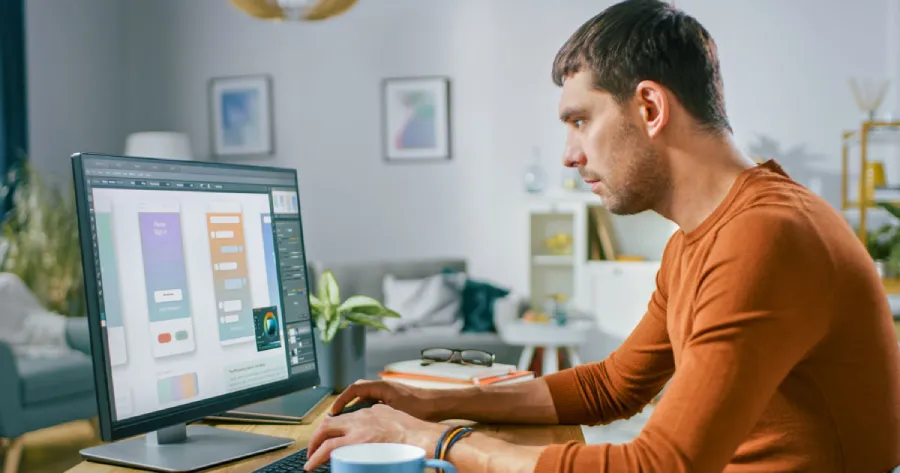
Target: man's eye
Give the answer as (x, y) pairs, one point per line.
(577, 123)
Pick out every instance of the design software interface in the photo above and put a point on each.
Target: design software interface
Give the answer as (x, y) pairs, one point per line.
(194, 263)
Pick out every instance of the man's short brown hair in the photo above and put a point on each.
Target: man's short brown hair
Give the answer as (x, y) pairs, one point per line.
(638, 40)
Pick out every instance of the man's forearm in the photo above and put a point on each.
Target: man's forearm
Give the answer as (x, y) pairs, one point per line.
(528, 403)
(481, 453)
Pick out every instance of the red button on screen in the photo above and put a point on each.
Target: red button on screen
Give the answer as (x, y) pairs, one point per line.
(164, 337)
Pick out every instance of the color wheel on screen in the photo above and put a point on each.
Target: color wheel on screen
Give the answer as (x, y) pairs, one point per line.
(270, 324)
(268, 330)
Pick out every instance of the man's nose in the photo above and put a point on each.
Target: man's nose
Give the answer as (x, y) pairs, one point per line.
(573, 157)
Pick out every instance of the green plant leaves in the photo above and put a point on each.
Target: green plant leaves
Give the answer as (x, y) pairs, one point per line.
(891, 208)
(388, 313)
(329, 292)
(332, 327)
(321, 325)
(363, 304)
(367, 320)
(316, 304)
(331, 315)
(41, 239)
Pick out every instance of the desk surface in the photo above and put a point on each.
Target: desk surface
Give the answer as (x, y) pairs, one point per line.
(517, 434)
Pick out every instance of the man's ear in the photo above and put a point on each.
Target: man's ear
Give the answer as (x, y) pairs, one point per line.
(654, 106)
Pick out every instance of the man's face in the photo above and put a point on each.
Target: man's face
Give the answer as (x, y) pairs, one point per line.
(609, 146)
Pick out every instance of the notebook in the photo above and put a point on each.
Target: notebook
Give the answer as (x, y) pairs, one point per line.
(293, 408)
(445, 383)
(456, 371)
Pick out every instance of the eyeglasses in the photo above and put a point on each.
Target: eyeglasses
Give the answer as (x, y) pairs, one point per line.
(463, 357)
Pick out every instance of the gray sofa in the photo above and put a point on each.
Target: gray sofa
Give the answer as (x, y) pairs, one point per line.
(40, 392)
(382, 348)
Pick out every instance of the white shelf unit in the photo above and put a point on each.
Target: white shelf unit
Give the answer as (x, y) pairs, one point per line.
(551, 273)
(615, 292)
(552, 260)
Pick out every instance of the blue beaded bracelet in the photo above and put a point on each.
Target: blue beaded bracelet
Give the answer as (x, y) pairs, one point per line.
(440, 442)
(461, 434)
(452, 432)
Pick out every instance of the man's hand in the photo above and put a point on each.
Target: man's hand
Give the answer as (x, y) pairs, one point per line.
(377, 424)
(416, 402)
(522, 403)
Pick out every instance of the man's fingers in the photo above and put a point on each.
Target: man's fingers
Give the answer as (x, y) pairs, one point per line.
(329, 428)
(323, 453)
(357, 389)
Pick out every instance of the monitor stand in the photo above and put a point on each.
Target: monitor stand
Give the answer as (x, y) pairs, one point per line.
(182, 448)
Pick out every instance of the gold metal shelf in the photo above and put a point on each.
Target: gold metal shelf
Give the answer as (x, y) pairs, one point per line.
(870, 132)
(891, 285)
(854, 203)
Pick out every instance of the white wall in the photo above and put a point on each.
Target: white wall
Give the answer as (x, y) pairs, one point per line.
(892, 57)
(75, 54)
(785, 66)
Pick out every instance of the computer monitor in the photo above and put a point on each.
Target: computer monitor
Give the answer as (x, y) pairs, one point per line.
(197, 298)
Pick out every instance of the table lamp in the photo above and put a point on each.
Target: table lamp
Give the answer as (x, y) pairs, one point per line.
(159, 144)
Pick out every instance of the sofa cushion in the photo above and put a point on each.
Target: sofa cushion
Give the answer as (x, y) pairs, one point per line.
(477, 308)
(46, 379)
(425, 302)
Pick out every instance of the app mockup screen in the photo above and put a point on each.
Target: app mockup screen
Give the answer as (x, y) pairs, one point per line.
(201, 281)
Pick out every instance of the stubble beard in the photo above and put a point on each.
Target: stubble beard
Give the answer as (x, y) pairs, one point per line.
(642, 181)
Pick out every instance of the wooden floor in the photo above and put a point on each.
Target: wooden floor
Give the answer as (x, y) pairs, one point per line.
(55, 450)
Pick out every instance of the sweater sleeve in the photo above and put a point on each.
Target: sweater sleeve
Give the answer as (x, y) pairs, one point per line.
(622, 384)
(758, 311)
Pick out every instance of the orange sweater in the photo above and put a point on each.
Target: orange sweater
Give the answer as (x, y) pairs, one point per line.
(773, 330)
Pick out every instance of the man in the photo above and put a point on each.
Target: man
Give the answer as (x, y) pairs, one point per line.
(768, 322)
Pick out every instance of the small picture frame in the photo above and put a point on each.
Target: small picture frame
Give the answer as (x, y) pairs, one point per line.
(416, 119)
(241, 116)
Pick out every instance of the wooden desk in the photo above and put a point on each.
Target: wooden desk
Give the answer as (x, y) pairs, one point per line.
(517, 434)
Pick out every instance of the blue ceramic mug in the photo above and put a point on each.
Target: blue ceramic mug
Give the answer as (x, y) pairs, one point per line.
(384, 458)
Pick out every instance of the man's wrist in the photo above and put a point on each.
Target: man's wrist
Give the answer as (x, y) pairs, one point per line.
(427, 437)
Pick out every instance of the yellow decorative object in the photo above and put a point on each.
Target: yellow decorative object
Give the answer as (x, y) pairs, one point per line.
(867, 176)
(558, 298)
(306, 10)
(874, 178)
(559, 244)
(535, 317)
(630, 258)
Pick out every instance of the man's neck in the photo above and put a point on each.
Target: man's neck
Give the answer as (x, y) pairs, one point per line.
(703, 172)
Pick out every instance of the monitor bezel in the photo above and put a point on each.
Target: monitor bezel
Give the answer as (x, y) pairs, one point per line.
(110, 429)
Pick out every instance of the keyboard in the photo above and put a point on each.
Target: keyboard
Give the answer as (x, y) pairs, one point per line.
(290, 464)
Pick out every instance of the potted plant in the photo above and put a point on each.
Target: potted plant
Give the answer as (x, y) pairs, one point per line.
(340, 331)
(883, 244)
(40, 242)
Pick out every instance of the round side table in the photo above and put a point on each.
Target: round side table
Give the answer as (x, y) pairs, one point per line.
(549, 336)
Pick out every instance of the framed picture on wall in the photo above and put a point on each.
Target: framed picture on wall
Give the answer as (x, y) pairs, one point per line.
(416, 119)
(241, 116)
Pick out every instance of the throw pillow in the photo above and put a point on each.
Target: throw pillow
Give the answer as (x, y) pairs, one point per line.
(425, 302)
(477, 306)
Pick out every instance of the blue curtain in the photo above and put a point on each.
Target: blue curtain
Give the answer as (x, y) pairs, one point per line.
(13, 99)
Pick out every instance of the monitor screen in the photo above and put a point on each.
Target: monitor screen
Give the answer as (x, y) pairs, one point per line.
(200, 277)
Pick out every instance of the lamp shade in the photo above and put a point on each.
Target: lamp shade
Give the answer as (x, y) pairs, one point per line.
(159, 144)
(296, 10)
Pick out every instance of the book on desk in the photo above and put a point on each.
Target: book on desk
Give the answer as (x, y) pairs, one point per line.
(452, 375)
